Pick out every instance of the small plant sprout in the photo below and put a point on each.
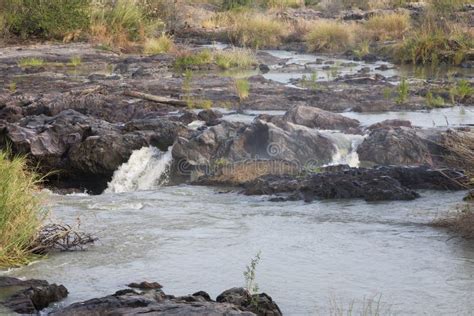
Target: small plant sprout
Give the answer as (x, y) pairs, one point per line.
(12, 87)
(75, 61)
(310, 82)
(242, 86)
(250, 274)
(31, 62)
(402, 91)
(432, 101)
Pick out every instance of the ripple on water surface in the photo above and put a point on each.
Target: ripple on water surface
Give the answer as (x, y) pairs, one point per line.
(192, 238)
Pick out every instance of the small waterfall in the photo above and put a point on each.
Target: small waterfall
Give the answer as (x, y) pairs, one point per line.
(146, 169)
(346, 148)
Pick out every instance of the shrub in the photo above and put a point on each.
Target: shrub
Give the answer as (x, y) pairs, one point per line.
(257, 31)
(162, 44)
(52, 18)
(121, 22)
(20, 211)
(187, 60)
(433, 48)
(388, 26)
(329, 36)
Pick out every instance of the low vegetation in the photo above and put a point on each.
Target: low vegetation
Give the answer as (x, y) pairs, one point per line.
(158, 45)
(392, 26)
(31, 62)
(242, 87)
(225, 59)
(21, 212)
(461, 222)
(257, 31)
(329, 36)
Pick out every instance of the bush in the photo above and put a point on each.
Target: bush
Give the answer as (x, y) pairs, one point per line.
(20, 211)
(121, 22)
(388, 26)
(235, 58)
(329, 36)
(257, 31)
(52, 18)
(159, 45)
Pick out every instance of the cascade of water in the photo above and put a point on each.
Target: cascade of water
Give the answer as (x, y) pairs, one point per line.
(147, 168)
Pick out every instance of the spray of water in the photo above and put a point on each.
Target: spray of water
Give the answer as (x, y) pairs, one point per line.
(146, 169)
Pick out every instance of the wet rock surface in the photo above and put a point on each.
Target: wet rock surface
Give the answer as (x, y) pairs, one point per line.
(30, 296)
(235, 301)
(376, 184)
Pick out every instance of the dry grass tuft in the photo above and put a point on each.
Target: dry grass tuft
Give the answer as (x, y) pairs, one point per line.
(461, 222)
(158, 45)
(392, 26)
(459, 147)
(330, 36)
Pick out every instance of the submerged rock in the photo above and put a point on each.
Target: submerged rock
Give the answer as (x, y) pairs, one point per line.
(30, 296)
(156, 302)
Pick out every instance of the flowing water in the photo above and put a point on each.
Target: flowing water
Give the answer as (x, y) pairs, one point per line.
(192, 238)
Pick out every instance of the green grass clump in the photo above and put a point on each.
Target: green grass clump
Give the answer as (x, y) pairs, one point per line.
(434, 48)
(329, 36)
(159, 45)
(32, 62)
(461, 91)
(188, 60)
(21, 213)
(45, 19)
(434, 101)
(402, 91)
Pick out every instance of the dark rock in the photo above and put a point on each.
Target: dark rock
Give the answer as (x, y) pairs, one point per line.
(211, 117)
(30, 296)
(156, 302)
(83, 147)
(188, 117)
(390, 124)
(316, 118)
(263, 68)
(260, 304)
(145, 285)
(394, 146)
(377, 184)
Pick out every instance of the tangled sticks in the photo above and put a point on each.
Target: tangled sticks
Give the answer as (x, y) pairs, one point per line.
(61, 237)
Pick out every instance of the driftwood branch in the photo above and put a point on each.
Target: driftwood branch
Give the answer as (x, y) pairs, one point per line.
(155, 98)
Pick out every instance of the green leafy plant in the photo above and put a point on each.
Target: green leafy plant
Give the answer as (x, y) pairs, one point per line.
(402, 91)
(434, 102)
(250, 275)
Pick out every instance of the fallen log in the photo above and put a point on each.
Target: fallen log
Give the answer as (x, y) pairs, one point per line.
(155, 98)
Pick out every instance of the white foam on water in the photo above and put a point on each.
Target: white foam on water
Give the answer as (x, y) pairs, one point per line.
(346, 148)
(146, 169)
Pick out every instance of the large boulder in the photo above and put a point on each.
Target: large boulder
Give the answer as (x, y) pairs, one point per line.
(236, 142)
(394, 146)
(30, 296)
(317, 118)
(85, 149)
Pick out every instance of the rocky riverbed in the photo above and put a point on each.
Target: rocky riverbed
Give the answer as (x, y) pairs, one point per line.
(116, 122)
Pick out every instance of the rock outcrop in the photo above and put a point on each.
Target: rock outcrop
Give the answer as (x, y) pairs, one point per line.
(30, 296)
